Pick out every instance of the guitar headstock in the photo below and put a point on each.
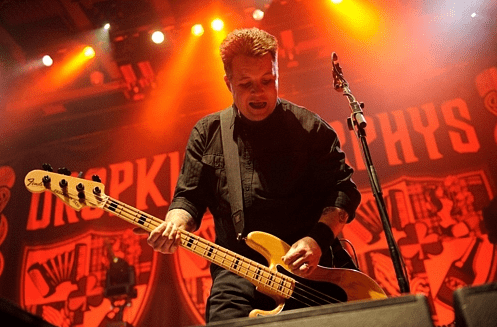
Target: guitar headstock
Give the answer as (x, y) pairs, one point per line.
(75, 192)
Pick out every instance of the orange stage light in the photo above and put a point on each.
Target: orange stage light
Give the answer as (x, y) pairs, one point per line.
(89, 52)
(217, 24)
(258, 14)
(360, 17)
(171, 80)
(66, 71)
(197, 29)
(47, 60)
(158, 37)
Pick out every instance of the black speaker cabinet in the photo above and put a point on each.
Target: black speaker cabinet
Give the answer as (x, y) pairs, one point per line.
(13, 315)
(402, 311)
(476, 306)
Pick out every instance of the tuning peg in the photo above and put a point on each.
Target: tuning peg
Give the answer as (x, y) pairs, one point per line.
(80, 188)
(63, 183)
(46, 180)
(96, 178)
(64, 171)
(47, 167)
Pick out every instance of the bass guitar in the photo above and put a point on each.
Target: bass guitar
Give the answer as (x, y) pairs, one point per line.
(323, 286)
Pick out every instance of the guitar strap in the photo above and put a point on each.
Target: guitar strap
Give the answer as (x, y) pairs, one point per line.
(339, 256)
(232, 164)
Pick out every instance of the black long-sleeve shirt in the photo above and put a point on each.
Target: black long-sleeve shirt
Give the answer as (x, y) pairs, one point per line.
(291, 168)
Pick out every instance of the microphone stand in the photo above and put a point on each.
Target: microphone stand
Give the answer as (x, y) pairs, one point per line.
(357, 123)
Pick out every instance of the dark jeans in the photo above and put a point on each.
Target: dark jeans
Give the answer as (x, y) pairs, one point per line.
(234, 297)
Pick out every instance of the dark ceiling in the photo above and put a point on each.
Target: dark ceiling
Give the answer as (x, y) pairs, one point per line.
(29, 26)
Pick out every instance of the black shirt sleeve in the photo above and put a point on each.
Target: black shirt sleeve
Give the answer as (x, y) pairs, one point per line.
(330, 172)
(190, 193)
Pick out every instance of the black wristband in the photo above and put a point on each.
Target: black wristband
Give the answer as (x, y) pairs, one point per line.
(323, 235)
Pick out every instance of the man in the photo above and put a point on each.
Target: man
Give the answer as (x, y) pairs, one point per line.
(294, 179)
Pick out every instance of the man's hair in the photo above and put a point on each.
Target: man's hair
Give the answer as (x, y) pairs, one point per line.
(251, 42)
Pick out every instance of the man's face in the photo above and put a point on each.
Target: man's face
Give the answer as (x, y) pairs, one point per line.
(254, 85)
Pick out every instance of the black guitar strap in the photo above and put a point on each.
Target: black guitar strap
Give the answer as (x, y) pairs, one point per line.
(340, 257)
(232, 164)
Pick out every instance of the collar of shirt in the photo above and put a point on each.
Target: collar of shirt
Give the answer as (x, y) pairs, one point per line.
(239, 119)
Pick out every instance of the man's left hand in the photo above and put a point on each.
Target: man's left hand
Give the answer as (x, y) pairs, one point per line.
(303, 257)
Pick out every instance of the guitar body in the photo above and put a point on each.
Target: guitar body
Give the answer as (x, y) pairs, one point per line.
(341, 284)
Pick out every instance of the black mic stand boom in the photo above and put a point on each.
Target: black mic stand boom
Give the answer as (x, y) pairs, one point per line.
(357, 123)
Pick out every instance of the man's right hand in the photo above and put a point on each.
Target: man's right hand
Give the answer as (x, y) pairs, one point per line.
(166, 237)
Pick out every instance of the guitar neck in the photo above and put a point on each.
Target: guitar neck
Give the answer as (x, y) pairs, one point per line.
(258, 274)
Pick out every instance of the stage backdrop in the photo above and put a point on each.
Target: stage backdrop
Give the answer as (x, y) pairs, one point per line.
(432, 130)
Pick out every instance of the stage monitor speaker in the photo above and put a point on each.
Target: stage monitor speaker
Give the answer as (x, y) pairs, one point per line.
(13, 315)
(402, 311)
(476, 306)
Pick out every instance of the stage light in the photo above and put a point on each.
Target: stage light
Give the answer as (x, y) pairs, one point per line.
(197, 29)
(107, 26)
(97, 78)
(473, 15)
(158, 37)
(89, 52)
(217, 24)
(336, 1)
(362, 19)
(47, 60)
(258, 14)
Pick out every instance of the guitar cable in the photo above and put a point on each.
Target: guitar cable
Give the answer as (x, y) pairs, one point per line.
(354, 258)
(451, 324)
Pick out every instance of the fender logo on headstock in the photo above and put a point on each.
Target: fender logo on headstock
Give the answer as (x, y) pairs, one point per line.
(31, 181)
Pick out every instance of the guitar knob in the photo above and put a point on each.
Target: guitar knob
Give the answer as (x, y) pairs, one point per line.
(47, 167)
(96, 178)
(64, 171)
(46, 180)
(97, 190)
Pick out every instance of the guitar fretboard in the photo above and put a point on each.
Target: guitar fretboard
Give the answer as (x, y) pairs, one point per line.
(261, 276)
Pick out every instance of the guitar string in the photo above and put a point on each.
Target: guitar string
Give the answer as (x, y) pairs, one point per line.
(307, 292)
(135, 215)
(204, 248)
(300, 289)
(185, 238)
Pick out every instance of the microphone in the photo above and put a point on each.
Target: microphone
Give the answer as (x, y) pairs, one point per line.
(338, 81)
